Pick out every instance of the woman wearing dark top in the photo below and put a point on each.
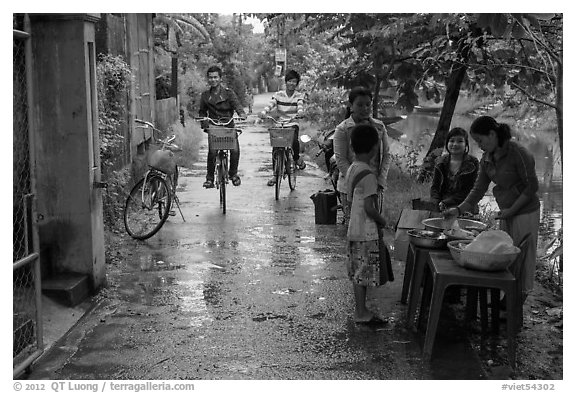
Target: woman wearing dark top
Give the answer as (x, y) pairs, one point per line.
(455, 172)
(512, 169)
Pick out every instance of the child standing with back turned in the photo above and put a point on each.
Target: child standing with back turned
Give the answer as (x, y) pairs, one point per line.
(364, 267)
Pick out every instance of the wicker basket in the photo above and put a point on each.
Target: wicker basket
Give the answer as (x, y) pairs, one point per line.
(479, 260)
(488, 262)
(222, 138)
(455, 247)
(281, 137)
(163, 160)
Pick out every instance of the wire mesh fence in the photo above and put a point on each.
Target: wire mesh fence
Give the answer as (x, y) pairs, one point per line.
(25, 269)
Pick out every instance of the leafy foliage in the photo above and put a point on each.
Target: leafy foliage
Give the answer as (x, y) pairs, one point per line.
(229, 44)
(408, 161)
(113, 76)
(326, 106)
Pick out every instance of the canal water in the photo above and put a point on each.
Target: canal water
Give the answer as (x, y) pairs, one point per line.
(419, 128)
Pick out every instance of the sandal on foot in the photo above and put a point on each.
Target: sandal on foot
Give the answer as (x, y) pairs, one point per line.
(235, 180)
(208, 184)
(300, 163)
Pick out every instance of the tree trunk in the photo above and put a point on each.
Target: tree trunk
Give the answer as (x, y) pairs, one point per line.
(376, 96)
(450, 100)
(452, 92)
(560, 111)
(174, 76)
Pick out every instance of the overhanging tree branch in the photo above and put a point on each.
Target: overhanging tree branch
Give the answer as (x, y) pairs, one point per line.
(532, 98)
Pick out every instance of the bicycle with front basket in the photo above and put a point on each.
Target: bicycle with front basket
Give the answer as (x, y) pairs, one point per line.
(221, 139)
(150, 201)
(281, 138)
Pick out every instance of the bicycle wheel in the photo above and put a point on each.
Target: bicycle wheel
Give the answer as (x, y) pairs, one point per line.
(223, 180)
(147, 207)
(291, 170)
(278, 170)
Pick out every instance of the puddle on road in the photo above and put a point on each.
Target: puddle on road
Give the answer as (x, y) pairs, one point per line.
(164, 281)
(221, 244)
(156, 262)
(268, 316)
(309, 257)
(194, 305)
(295, 209)
(305, 239)
(286, 291)
(260, 233)
(155, 283)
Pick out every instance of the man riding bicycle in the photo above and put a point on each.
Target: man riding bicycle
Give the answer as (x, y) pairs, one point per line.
(288, 103)
(219, 103)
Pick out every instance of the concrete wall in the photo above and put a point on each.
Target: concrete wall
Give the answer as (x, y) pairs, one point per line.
(67, 158)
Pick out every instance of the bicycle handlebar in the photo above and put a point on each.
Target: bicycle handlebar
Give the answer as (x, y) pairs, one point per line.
(220, 123)
(281, 121)
(166, 142)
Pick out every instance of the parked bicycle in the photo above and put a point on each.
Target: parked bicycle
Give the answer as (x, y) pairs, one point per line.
(150, 201)
(222, 139)
(281, 138)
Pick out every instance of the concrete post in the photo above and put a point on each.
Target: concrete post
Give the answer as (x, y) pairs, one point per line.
(67, 163)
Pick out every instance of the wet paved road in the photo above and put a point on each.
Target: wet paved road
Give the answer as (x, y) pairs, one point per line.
(260, 293)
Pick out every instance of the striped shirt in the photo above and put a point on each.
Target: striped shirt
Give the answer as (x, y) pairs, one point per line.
(286, 106)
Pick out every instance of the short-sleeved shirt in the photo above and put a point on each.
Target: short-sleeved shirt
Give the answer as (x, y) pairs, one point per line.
(361, 227)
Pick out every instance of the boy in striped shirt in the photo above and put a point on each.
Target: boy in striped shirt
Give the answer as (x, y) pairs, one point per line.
(288, 103)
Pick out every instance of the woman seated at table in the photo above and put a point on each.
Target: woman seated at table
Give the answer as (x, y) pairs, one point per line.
(454, 173)
(512, 169)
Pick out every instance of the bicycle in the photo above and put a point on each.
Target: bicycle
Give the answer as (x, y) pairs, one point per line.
(281, 138)
(221, 139)
(150, 201)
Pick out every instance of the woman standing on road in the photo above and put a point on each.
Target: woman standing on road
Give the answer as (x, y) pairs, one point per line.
(360, 100)
(512, 169)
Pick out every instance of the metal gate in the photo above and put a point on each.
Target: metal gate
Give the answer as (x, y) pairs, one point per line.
(27, 344)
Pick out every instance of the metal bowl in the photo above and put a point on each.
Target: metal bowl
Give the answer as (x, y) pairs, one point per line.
(428, 239)
(439, 224)
(467, 224)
